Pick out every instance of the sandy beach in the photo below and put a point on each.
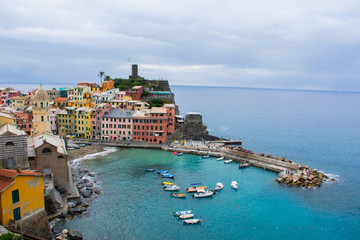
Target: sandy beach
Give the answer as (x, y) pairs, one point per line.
(83, 151)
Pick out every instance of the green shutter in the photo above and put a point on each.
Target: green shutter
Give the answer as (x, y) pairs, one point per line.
(15, 196)
(16, 213)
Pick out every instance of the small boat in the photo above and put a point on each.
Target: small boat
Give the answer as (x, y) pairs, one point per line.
(162, 171)
(243, 165)
(172, 188)
(234, 185)
(196, 189)
(166, 175)
(178, 213)
(191, 221)
(168, 183)
(179, 153)
(178, 195)
(149, 170)
(219, 186)
(204, 194)
(174, 152)
(219, 159)
(228, 161)
(206, 156)
(185, 216)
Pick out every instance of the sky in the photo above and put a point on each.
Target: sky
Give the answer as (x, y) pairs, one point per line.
(286, 44)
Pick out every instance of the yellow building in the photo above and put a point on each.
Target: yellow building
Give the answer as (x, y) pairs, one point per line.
(6, 117)
(20, 102)
(83, 122)
(21, 194)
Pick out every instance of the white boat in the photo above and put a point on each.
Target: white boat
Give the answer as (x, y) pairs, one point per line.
(178, 213)
(191, 221)
(219, 159)
(171, 188)
(234, 185)
(185, 216)
(219, 186)
(243, 165)
(204, 194)
(228, 161)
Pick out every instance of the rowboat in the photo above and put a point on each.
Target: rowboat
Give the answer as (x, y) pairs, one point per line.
(228, 161)
(234, 185)
(172, 188)
(162, 171)
(149, 170)
(185, 216)
(167, 183)
(166, 175)
(219, 186)
(204, 194)
(178, 195)
(243, 165)
(206, 156)
(179, 153)
(178, 213)
(219, 159)
(191, 221)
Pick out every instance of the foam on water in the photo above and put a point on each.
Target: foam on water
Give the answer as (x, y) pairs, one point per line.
(107, 151)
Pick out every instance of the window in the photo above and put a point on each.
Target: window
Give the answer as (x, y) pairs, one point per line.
(15, 196)
(16, 213)
(46, 150)
(9, 144)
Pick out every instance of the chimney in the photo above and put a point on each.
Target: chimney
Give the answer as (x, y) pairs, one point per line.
(18, 169)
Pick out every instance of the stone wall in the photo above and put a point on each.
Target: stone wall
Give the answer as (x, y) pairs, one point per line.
(36, 224)
(13, 147)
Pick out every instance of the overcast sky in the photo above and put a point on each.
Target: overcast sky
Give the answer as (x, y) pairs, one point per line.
(245, 43)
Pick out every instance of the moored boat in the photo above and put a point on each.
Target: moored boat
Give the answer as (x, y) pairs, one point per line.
(179, 153)
(171, 188)
(191, 221)
(185, 216)
(196, 189)
(228, 161)
(219, 186)
(166, 175)
(206, 156)
(149, 170)
(178, 213)
(168, 183)
(219, 159)
(204, 194)
(243, 165)
(162, 171)
(178, 195)
(234, 185)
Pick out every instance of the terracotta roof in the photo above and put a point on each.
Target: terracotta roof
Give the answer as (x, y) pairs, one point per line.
(11, 173)
(61, 99)
(5, 183)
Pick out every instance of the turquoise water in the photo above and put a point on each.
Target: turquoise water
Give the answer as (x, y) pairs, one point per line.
(316, 128)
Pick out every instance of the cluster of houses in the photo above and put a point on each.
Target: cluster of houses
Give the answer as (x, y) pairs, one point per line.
(90, 111)
(34, 126)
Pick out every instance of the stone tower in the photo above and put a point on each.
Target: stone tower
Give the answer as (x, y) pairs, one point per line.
(41, 112)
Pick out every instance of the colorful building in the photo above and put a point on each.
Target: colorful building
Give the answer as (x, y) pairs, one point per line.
(117, 125)
(6, 117)
(107, 85)
(21, 194)
(66, 118)
(41, 112)
(135, 93)
(96, 119)
(83, 122)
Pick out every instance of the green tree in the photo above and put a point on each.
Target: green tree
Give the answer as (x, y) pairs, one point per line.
(101, 74)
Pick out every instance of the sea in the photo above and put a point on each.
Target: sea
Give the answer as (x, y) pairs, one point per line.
(315, 128)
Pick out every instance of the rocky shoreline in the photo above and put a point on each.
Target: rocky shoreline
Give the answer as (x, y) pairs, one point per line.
(89, 189)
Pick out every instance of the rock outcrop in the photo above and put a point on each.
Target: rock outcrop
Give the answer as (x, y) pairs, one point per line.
(304, 177)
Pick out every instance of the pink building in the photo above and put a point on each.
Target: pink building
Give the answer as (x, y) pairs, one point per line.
(135, 93)
(117, 125)
(71, 94)
(96, 119)
(120, 95)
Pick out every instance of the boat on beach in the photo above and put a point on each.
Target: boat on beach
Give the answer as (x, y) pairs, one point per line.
(185, 216)
(178, 195)
(191, 221)
(243, 165)
(234, 185)
(171, 188)
(178, 213)
(204, 194)
(219, 186)
(219, 159)
(149, 170)
(228, 161)
(206, 156)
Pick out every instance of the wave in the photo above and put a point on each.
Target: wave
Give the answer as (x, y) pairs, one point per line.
(107, 151)
(336, 178)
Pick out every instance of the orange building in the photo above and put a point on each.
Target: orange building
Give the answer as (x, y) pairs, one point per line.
(107, 85)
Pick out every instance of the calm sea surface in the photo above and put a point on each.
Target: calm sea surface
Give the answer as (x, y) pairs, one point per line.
(319, 129)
